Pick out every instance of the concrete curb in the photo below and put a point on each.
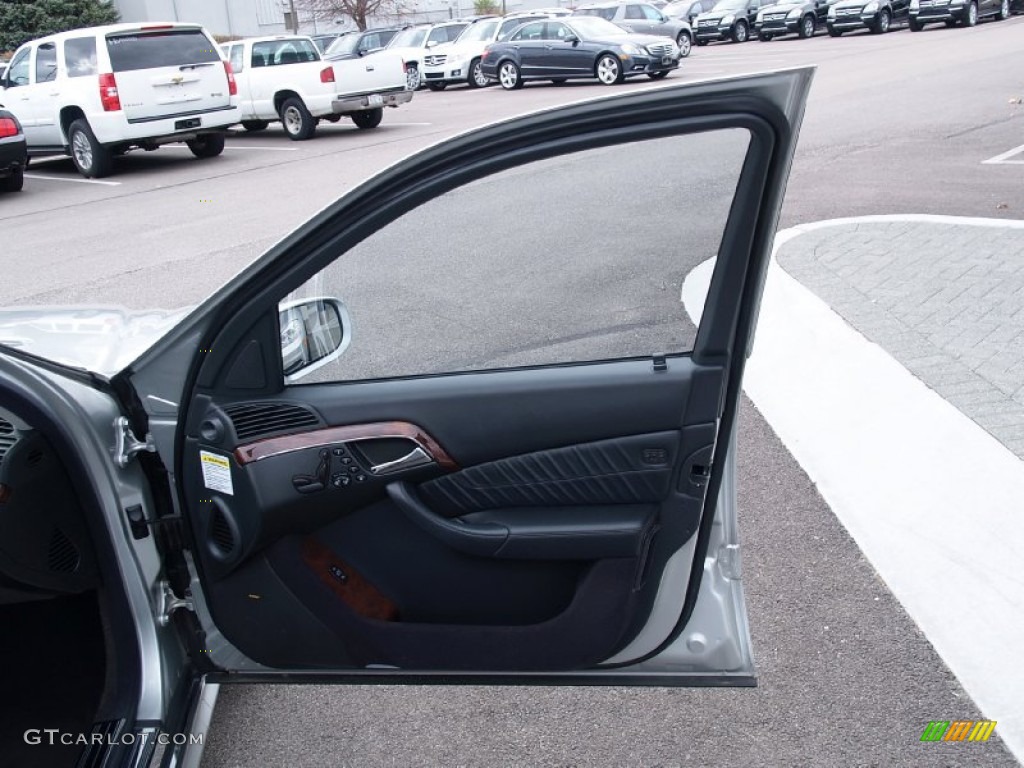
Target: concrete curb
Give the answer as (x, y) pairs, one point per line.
(934, 502)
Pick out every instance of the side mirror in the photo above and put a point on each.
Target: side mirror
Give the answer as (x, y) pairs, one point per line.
(313, 333)
(572, 39)
(431, 43)
(664, 18)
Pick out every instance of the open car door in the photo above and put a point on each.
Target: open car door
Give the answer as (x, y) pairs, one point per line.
(460, 426)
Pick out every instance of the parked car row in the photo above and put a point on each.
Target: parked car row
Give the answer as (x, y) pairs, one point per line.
(99, 92)
(96, 93)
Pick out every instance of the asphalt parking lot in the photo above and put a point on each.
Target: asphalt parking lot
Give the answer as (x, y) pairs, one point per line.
(899, 123)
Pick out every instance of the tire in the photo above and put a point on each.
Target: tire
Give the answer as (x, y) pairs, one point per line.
(437, 86)
(1004, 10)
(915, 26)
(658, 75)
(608, 70)
(207, 145)
(509, 76)
(476, 75)
(740, 32)
(92, 159)
(412, 77)
(685, 43)
(807, 27)
(255, 125)
(884, 22)
(297, 122)
(368, 118)
(14, 182)
(763, 37)
(835, 32)
(971, 19)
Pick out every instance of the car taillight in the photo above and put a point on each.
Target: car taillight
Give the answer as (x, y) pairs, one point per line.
(327, 75)
(8, 128)
(232, 85)
(108, 93)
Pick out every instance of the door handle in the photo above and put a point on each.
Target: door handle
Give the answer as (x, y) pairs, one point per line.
(417, 457)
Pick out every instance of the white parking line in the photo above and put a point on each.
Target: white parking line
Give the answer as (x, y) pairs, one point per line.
(1004, 159)
(76, 181)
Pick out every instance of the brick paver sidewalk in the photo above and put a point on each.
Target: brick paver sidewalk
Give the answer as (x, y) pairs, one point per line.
(945, 299)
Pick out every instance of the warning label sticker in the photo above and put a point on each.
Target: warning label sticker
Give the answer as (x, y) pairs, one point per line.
(217, 472)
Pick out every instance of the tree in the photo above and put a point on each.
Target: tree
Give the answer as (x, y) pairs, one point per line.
(485, 7)
(24, 20)
(357, 10)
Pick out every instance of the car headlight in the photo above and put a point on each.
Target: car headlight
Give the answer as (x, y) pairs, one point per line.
(633, 50)
(831, 12)
(728, 19)
(871, 7)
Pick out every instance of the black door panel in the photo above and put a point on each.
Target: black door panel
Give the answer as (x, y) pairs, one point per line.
(488, 416)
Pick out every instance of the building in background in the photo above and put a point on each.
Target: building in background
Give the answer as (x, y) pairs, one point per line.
(249, 18)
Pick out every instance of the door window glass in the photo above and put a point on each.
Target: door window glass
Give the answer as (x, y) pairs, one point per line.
(80, 56)
(533, 31)
(46, 63)
(634, 12)
(18, 71)
(572, 259)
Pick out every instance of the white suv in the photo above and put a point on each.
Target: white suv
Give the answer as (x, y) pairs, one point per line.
(95, 93)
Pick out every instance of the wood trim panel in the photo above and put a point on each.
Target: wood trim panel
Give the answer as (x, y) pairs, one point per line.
(318, 438)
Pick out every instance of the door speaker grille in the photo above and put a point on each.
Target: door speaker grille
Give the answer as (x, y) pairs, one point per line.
(221, 533)
(62, 555)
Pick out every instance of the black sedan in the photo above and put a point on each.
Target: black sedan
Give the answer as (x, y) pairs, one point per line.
(583, 47)
(803, 17)
(13, 153)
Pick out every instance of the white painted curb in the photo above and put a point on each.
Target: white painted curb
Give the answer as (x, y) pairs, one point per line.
(935, 502)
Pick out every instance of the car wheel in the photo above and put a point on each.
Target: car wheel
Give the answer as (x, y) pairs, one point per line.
(1004, 10)
(806, 27)
(91, 158)
(255, 125)
(609, 70)
(298, 123)
(884, 22)
(972, 15)
(658, 75)
(764, 38)
(412, 77)
(207, 145)
(915, 26)
(509, 77)
(835, 32)
(437, 86)
(14, 182)
(685, 43)
(740, 33)
(476, 75)
(368, 118)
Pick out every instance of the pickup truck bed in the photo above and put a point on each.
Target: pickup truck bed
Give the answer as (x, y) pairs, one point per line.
(285, 79)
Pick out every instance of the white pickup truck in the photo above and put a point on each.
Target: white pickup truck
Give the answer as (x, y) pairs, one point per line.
(284, 78)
